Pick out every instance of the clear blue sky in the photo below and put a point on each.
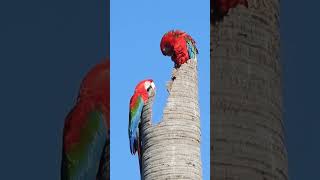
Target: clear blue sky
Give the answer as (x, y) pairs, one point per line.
(136, 31)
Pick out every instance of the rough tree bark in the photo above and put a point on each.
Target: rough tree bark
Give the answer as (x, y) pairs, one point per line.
(171, 149)
(247, 134)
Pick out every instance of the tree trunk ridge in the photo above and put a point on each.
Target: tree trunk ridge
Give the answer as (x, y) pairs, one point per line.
(247, 130)
(171, 149)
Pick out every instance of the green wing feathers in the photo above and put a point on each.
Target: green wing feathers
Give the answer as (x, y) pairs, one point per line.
(83, 157)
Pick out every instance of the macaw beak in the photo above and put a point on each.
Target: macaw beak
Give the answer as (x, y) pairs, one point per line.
(164, 52)
(153, 86)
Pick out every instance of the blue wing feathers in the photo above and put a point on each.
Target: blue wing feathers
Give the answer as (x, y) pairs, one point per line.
(88, 166)
(191, 49)
(95, 151)
(135, 119)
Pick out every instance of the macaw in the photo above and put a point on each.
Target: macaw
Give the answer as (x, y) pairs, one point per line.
(141, 94)
(179, 45)
(221, 7)
(86, 142)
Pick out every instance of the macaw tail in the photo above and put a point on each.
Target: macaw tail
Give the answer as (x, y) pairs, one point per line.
(140, 166)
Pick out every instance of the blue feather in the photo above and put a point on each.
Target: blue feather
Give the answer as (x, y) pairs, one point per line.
(134, 121)
(191, 49)
(88, 165)
(94, 153)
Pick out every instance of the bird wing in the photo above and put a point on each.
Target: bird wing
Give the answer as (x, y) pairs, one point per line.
(104, 170)
(135, 110)
(85, 141)
(192, 50)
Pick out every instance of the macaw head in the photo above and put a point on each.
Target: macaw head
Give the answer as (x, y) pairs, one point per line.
(166, 44)
(96, 84)
(168, 40)
(145, 88)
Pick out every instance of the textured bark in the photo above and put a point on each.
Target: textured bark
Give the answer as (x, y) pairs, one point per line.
(171, 149)
(247, 135)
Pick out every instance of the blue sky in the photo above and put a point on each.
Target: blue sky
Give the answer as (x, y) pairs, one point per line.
(136, 31)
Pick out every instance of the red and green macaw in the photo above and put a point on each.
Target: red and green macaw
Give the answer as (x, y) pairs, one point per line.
(141, 94)
(86, 140)
(221, 7)
(179, 45)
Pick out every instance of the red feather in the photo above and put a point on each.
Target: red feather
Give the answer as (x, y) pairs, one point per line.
(176, 46)
(139, 91)
(223, 6)
(94, 94)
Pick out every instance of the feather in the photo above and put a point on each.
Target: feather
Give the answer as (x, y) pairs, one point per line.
(179, 45)
(86, 141)
(221, 8)
(82, 156)
(104, 162)
(137, 102)
(136, 105)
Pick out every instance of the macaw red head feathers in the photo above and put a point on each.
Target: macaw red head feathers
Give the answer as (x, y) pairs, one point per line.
(94, 92)
(221, 7)
(179, 45)
(168, 40)
(96, 85)
(145, 88)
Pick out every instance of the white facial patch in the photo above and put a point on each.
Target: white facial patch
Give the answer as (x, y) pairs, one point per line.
(146, 84)
(153, 86)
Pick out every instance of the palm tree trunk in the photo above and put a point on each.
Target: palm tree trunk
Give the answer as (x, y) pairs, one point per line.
(247, 134)
(171, 149)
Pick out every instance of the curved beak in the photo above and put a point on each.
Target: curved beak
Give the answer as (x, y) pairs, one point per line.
(153, 86)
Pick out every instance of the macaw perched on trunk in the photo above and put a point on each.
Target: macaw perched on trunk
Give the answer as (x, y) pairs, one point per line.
(179, 45)
(86, 140)
(141, 94)
(221, 7)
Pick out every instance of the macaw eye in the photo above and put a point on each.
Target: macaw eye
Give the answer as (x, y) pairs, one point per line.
(146, 85)
(150, 86)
